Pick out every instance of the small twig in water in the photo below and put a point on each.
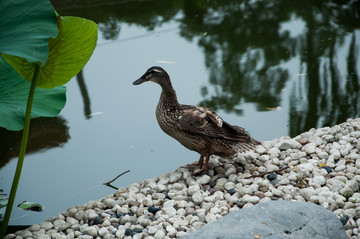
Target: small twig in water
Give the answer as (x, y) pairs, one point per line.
(263, 174)
(121, 174)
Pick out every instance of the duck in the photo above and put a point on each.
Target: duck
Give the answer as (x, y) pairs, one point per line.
(197, 128)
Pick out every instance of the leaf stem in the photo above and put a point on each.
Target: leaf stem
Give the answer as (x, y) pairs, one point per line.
(24, 139)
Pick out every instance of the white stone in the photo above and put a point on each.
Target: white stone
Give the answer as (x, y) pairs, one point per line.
(147, 202)
(61, 225)
(305, 169)
(230, 171)
(175, 177)
(218, 195)
(193, 189)
(171, 231)
(340, 168)
(92, 231)
(24, 233)
(83, 237)
(297, 155)
(197, 197)
(357, 163)
(169, 203)
(335, 153)
(44, 236)
(161, 188)
(319, 180)
(127, 218)
(57, 236)
(170, 211)
(106, 223)
(178, 222)
(250, 199)
(229, 185)
(309, 148)
(210, 217)
(91, 214)
(277, 192)
(288, 144)
(251, 155)
(103, 231)
(307, 193)
(207, 205)
(109, 201)
(335, 185)
(153, 229)
(160, 234)
(180, 234)
(204, 179)
(260, 149)
(34, 227)
(352, 184)
(72, 221)
(215, 210)
(264, 158)
(273, 152)
(41, 232)
(322, 155)
(46, 225)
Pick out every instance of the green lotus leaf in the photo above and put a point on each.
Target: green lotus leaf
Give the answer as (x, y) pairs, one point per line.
(26, 27)
(14, 92)
(25, 205)
(68, 53)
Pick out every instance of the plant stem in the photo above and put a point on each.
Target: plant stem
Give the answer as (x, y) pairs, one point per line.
(24, 139)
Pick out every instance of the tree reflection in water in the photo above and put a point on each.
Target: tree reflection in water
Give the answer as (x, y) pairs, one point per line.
(245, 50)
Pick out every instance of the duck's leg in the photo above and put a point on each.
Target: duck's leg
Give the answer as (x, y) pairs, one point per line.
(197, 165)
(200, 169)
(206, 167)
(201, 161)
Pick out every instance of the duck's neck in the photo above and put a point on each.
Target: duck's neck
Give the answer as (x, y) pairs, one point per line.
(168, 96)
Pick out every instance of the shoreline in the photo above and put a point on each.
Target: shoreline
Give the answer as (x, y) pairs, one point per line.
(323, 168)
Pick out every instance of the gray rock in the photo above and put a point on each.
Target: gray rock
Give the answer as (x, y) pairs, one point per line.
(275, 219)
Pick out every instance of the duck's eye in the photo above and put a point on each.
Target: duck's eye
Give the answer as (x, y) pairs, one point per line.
(148, 76)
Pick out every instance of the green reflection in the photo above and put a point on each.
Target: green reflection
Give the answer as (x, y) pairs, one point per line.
(44, 133)
(246, 49)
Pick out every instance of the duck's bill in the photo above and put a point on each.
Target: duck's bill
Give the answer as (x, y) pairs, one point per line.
(139, 81)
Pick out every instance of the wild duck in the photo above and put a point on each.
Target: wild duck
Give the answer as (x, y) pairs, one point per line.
(197, 128)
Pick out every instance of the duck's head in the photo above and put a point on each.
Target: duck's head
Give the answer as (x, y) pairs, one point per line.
(155, 74)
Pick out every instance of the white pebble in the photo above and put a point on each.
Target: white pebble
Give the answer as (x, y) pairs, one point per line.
(193, 189)
(160, 234)
(92, 231)
(319, 180)
(210, 217)
(250, 199)
(170, 211)
(204, 179)
(103, 231)
(197, 197)
(171, 231)
(175, 177)
(335, 153)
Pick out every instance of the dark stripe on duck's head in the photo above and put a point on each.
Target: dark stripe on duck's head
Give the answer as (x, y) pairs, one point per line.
(155, 74)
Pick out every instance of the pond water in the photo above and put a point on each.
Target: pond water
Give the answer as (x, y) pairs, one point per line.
(273, 68)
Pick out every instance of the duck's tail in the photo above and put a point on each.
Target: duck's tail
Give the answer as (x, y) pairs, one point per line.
(245, 145)
(242, 147)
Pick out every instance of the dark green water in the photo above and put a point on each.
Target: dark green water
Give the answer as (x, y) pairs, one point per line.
(276, 68)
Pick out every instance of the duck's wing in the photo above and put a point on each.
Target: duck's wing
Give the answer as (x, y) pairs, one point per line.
(204, 121)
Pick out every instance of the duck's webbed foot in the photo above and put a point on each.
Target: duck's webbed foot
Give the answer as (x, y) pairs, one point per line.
(197, 168)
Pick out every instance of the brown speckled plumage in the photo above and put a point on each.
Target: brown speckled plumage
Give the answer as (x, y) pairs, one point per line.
(197, 128)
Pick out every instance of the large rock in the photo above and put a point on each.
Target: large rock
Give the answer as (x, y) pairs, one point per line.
(275, 220)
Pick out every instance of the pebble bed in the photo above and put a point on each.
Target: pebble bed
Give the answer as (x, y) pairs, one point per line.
(320, 166)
